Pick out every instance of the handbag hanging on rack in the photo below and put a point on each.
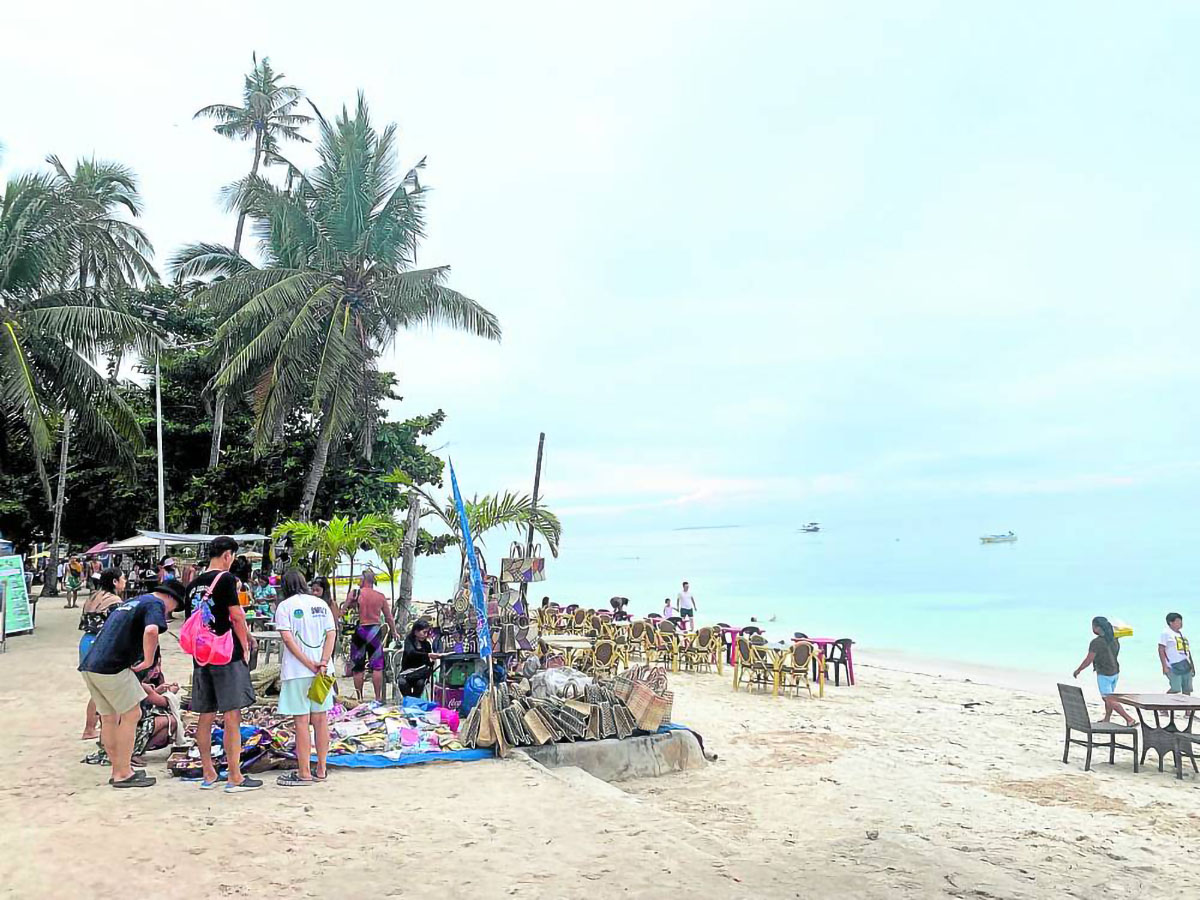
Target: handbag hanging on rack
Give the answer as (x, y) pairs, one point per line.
(518, 568)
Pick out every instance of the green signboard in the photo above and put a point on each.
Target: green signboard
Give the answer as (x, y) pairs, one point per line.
(17, 616)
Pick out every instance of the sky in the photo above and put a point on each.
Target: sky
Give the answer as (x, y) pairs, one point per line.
(764, 262)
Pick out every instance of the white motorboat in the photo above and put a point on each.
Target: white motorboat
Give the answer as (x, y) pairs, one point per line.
(998, 538)
(811, 527)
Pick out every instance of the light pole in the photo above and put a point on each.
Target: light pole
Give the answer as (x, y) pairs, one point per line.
(158, 427)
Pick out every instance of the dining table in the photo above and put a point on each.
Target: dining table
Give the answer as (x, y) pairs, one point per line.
(822, 643)
(1168, 737)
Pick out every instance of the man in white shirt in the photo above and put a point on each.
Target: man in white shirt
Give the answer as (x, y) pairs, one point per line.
(1175, 654)
(687, 605)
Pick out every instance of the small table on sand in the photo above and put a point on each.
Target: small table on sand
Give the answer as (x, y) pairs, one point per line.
(1168, 738)
(268, 642)
(570, 645)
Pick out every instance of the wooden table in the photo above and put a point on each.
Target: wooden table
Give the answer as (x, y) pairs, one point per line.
(570, 645)
(268, 642)
(1169, 738)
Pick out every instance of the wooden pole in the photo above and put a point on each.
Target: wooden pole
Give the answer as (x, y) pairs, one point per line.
(537, 483)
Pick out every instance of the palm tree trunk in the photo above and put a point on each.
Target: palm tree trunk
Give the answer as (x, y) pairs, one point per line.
(241, 223)
(214, 448)
(317, 470)
(59, 503)
(408, 550)
(44, 478)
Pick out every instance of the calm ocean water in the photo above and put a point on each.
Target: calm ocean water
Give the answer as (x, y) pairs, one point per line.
(924, 586)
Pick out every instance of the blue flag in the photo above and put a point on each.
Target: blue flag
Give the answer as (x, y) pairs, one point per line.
(477, 598)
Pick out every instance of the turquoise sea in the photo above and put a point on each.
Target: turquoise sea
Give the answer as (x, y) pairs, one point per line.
(920, 583)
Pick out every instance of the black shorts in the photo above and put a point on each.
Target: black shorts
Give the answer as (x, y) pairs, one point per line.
(687, 614)
(221, 688)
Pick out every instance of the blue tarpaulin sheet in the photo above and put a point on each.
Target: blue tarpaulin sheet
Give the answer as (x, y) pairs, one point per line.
(389, 760)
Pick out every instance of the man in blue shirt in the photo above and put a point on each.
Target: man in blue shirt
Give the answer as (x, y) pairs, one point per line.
(127, 644)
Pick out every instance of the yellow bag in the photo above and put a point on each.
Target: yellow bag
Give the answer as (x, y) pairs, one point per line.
(1121, 629)
(321, 686)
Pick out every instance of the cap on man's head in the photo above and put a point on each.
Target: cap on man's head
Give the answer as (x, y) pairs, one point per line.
(173, 588)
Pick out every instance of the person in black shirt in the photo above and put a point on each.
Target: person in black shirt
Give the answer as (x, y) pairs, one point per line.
(416, 665)
(125, 646)
(222, 688)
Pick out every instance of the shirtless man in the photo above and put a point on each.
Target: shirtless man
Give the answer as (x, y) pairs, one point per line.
(366, 646)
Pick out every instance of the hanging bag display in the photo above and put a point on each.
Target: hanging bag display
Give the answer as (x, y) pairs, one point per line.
(519, 568)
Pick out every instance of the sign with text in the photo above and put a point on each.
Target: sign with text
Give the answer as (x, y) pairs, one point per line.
(18, 618)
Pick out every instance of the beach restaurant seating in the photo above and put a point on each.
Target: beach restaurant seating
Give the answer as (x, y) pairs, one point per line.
(754, 663)
(704, 650)
(578, 621)
(794, 664)
(604, 659)
(665, 647)
(839, 657)
(1077, 719)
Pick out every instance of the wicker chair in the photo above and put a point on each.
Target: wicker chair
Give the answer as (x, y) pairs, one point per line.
(578, 621)
(705, 650)
(604, 659)
(666, 645)
(756, 664)
(637, 640)
(794, 665)
(1077, 719)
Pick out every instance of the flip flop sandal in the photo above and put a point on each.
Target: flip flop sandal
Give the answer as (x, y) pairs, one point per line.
(293, 779)
(317, 777)
(137, 780)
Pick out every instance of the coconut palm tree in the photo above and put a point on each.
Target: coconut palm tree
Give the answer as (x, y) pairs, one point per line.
(487, 513)
(327, 542)
(55, 326)
(268, 115)
(338, 283)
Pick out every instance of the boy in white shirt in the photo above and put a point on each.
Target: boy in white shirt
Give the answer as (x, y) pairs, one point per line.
(1175, 654)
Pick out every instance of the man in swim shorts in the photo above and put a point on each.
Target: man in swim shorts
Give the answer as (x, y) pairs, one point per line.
(367, 642)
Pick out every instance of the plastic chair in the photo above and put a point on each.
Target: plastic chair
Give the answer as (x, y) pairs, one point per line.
(838, 656)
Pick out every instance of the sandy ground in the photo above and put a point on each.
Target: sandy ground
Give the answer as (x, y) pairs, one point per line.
(893, 788)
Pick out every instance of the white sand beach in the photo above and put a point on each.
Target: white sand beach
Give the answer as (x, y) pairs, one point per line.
(904, 786)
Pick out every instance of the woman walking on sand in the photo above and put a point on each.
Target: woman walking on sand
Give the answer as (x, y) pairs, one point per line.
(1102, 656)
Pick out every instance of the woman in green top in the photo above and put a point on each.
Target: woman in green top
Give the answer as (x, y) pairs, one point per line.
(1102, 656)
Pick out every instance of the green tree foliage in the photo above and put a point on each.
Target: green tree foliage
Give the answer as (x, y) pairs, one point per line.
(338, 281)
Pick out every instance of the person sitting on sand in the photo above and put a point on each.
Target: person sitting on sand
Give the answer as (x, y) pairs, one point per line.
(1102, 656)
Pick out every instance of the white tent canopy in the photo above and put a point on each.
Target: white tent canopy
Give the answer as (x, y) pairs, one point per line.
(145, 540)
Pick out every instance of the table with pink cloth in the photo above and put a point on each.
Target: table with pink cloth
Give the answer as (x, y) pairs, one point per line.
(821, 643)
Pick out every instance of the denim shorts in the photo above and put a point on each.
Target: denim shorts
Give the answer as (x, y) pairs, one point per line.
(1107, 684)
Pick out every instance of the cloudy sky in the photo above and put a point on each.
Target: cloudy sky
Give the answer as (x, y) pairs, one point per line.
(751, 259)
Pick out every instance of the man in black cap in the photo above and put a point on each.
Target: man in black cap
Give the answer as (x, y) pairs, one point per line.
(127, 644)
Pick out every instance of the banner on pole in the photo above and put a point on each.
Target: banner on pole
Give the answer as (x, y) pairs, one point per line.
(477, 597)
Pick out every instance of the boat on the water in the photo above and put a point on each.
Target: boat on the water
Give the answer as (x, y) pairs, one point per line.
(811, 527)
(998, 538)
